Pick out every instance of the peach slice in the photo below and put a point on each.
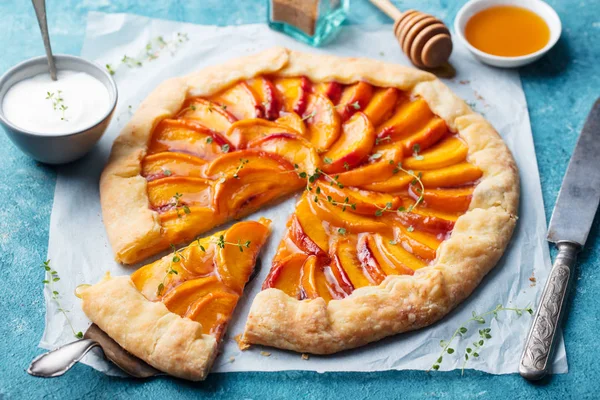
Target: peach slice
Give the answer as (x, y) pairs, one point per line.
(408, 117)
(388, 252)
(231, 163)
(425, 223)
(184, 227)
(454, 175)
(179, 298)
(265, 92)
(313, 282)
(247, 130)
(167, 164)
(213, 312)
(323, 121)
(285, 275)
(397, 182)
(358, 201)
(208, 114)
(294, 122)
(445, 153)
(353, 223)
(354, 98)
(449, 200)
(413, 246)
(293, 93)
(352, 147)
(240, 101)
(179, 191)
(236, 262)
(380, 166)
(187, 137)
(345, 258)
(294, 148)
(251, 188)
(331, 90)
(369, 264)
(382, 105)
(339, 283)
(426, 137)
(306, 230)
(425, 238)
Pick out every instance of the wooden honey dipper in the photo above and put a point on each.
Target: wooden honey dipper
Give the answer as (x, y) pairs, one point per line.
(424, 38)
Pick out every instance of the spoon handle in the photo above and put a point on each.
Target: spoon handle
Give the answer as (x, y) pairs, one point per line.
(58, 361)
(387, 7)
(40, 12)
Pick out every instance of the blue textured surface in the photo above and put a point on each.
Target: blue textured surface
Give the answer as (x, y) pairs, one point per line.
(560, 90)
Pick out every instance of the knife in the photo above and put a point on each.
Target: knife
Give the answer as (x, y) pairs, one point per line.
(569, 227)
(58, 361)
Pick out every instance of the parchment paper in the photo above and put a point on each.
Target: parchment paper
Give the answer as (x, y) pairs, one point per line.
(80, 252)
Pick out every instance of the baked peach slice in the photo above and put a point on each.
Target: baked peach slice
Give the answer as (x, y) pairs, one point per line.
(239, 100)
(313, 283)
(187, 137)
(397, 182)
(306, 230)
(426, 137)
(453, 200)
(297, 150)
(238, 251)
(285, 275)
(242, 132)
(251, 188)
(210, 115)
(413, 246)
(292, 121)
(354, 98)
(180, 297)
(408, 118)
(358, 201)
(380, 166)
(382, 105)
(449, 151)
(390, 259)
(293, 93)
(265, 92)
(345, 258)
(167, 164)
(369, 264)
(351, 222)
(455, 175)
(213, 312)
(322, 120)
(231, 163)
(424, 222)
(331, 90)
(352, 147)
(179, 192)
(179, 226)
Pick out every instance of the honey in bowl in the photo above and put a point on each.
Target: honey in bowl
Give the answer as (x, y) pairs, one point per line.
(507, 31)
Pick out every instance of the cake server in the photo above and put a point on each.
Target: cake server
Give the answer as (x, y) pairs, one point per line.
(569, 227)
(58, 361)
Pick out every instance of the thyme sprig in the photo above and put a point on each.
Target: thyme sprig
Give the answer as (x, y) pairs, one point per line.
(416, 180)
(177, 257)
(153, 49)
(484, 335)
(58, 103)
(176, 203)
(50, 277)
(221, 243)
(240, 167)
(416, 150)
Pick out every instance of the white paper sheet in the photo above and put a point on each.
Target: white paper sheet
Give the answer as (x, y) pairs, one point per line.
(81, 253)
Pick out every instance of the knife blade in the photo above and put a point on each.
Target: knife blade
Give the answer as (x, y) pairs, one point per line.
(569, 227)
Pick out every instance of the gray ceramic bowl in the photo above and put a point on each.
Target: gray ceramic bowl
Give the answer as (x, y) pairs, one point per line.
(64, 147)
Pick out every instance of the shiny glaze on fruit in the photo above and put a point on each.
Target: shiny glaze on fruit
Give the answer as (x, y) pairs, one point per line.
(363, 155)
(204, 281)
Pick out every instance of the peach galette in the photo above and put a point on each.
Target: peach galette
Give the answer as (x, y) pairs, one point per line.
(173, 313)
(409, 197)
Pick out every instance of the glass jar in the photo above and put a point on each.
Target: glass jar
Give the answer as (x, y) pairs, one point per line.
(310, 21)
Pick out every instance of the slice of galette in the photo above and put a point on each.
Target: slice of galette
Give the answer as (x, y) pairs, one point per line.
(173, 313)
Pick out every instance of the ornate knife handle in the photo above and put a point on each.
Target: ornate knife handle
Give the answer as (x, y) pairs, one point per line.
(57, 362)
(537, 354)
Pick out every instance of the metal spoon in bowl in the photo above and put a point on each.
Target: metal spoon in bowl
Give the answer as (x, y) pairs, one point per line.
(40, 12)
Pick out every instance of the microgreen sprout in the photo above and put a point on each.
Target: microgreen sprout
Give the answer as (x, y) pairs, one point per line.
(58, 103)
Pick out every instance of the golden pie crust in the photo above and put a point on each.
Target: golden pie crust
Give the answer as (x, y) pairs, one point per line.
(400, 303)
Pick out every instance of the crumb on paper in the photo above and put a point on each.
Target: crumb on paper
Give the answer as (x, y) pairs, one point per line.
(532, 280)
(304, 356)
(265, 354)
(464, 82)
(242, 345)
(231, 359)
(381, 53)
